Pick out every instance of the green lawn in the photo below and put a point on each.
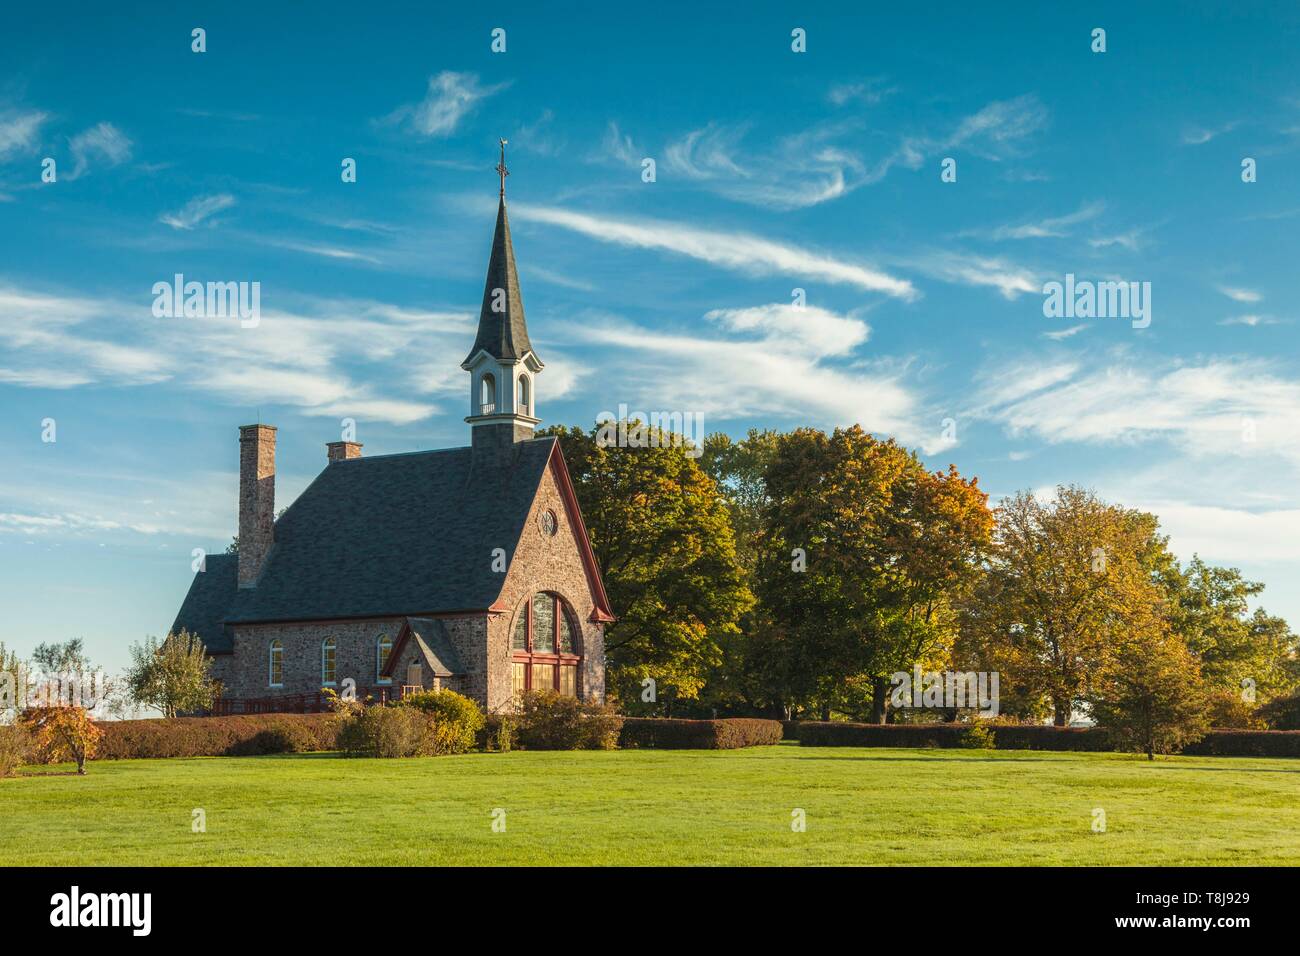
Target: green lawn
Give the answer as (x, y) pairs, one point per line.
(644, 807)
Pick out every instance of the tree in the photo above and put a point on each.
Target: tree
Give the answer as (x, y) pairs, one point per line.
(863, 552)
(1149, 694)
(750, 676)
(1065, 578)
(663, 540)
(1244, 656)
(64, 732)
(172, 677)
(72, 676)
(12, 673)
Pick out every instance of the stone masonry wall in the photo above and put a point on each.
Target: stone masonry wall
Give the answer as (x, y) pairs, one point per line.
(543, 563)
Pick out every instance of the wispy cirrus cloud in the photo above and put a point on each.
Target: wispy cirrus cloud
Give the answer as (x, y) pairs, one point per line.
(829, 160)
(102, 143)
(197, 210)
(1050, 227)
(450, 97)
(1200, 135)
(19, 130)
(1238, 294)
(738, 251)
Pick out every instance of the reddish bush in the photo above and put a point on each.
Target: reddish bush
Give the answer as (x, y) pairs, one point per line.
(216, 736)
(723, 734)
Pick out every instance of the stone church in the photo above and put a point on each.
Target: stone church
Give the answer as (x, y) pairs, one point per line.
(463, 568)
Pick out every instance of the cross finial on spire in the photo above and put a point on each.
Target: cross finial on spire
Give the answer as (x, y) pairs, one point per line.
(501, 168)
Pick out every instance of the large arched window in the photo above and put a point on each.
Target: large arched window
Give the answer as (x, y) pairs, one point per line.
(546, 652)
(487, 394)
(383, 647)
(327, 649)
(275, 664)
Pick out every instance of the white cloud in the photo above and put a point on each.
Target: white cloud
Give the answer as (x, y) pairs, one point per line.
(1065, 333)
(449, 99)
(1051, 227)
(773, 360)
(196, 210)
(314, 360)
(103, 142)
(1229, 407)
(1250, 320)
(1200, 135)
(867, 92)
(741, 252)
(1240, 295)
(18, 131)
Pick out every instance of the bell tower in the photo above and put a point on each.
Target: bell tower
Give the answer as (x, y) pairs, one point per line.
(502, 365)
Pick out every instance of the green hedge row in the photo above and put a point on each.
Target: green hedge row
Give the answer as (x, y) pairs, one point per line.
(727, 733)
(240, 736)
(1247, 743)
(1217, 743)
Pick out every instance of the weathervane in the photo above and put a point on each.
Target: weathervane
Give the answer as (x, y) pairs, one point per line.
(501, 168)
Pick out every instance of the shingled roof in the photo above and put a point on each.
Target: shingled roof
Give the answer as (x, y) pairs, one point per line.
(503, 335)
(393, 535)
(207, 602)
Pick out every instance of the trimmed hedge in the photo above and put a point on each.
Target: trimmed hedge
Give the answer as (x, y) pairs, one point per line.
(240, 736)
(790, 729)
(1217, 743)
(1246, 743)
(728, 733)
(1005, 736)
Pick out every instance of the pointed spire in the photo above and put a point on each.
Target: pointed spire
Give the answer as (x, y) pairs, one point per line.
(502, 332)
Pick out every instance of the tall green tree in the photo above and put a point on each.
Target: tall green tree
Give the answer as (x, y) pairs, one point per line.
(172, 677)
(1245, 657)
(662, 536)
(864, 550)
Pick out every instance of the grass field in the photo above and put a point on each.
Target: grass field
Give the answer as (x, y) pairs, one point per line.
(663, 808)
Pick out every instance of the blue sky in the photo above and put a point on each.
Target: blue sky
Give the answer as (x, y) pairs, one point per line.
(775, 170)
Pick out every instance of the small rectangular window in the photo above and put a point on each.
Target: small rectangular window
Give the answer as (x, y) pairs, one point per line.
(519, 677)
(569, 681)
(543, 677)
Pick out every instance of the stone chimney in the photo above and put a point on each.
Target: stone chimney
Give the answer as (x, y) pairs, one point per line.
(343, 450)
(256, 499)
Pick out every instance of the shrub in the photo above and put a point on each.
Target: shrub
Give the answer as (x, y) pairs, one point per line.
(15, 747)
(216, 736)
(728, 733)
(1005, 736)
(64, 733)
(1282, 713)
(978, 737)
(1246, 743)
(790, 729)
(456, 719)
(548, 720)
(498, 733)
(387, 731)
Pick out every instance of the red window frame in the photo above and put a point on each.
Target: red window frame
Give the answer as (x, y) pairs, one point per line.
(555, 660)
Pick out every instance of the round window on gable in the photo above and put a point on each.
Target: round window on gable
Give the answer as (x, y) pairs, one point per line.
(548, 522)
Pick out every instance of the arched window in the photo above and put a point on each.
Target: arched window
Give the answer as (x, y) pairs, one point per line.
(275, 664)
(546, 651)
(327, 649)
(523, 394)
(383, 647)
(487, 394)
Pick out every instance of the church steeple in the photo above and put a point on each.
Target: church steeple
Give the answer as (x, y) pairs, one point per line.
(502, 364)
